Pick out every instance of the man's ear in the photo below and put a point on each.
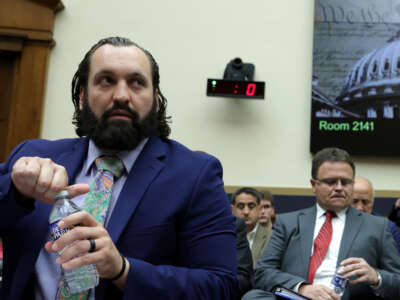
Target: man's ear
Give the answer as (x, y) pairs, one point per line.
(81, 93)
(313, 183)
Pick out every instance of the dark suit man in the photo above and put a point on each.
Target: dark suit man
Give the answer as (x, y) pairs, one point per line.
(245, 204)
(170, 223)
(245, 262)
(360, 242)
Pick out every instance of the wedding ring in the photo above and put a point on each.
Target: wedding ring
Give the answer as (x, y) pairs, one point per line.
(92, 245)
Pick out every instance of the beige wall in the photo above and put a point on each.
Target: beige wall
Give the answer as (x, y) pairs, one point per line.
(260, 143)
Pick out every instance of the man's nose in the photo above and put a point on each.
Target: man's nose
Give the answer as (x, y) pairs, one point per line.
(121, 92)
(358, 206)
(246, 210)
(339, 185)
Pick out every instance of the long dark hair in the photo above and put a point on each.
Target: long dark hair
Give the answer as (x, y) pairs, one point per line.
(80, 80)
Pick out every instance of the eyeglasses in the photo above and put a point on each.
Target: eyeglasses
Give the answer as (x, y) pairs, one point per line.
(334, 181)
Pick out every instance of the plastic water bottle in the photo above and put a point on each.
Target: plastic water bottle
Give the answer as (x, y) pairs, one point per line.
(338, 282)
(82, 278)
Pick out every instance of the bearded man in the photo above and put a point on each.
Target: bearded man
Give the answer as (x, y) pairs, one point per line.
(166, 207)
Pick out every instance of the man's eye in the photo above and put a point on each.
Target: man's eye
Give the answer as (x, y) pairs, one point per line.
(105, 81)
(346, 181)
(137, 82)
(331, 181)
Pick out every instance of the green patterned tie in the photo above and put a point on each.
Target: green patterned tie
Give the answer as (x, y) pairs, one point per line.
(109, 169)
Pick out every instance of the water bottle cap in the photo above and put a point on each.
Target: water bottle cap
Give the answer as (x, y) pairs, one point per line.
(62, 194)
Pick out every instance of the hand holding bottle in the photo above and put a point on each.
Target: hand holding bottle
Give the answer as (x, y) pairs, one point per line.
(74, 280)
(106, 256)
(360, 270)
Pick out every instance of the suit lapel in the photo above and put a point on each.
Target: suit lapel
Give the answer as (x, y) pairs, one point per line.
(352, 226)
(73, 160)
(260, 238)
(146, 168)
(307, 225)
(257, 242)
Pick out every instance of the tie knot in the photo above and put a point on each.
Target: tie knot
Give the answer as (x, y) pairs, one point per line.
(111, 164)
(330, 214)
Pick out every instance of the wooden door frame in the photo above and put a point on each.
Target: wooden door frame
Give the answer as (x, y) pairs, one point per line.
(26, 27)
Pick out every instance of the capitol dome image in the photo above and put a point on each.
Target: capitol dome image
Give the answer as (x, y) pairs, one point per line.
(372, 87)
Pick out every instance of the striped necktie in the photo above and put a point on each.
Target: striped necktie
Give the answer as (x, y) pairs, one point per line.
(321, 245)
(109, 169)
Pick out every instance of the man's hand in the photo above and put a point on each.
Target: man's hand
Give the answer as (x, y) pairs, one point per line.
(74, 247)
(359, 268)
(318, 292)
(41, 179)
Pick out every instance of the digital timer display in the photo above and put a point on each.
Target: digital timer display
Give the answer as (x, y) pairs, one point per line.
(235, 89)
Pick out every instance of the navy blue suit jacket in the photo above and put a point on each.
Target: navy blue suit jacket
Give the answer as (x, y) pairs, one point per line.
(172, 221)
(393, 229)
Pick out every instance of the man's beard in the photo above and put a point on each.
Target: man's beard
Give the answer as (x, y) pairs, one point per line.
(117, 135)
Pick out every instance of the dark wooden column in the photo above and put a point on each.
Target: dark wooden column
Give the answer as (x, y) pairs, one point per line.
(26, 37)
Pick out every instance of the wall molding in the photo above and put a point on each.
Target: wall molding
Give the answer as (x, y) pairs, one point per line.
(306, 191)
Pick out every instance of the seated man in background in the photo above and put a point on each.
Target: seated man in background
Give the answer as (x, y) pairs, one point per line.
(307, 246)
(246, 205)
(267, 210)
(364, 198)
(394, 214)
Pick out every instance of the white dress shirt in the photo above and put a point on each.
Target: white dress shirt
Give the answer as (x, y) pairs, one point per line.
(251, 236)
(327, 268)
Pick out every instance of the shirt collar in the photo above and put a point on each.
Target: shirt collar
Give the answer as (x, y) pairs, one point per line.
(128, 157)
(341, 215)
(253, 232)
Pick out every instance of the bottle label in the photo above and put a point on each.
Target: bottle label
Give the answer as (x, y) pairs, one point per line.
(56, 232)
(339, 281)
